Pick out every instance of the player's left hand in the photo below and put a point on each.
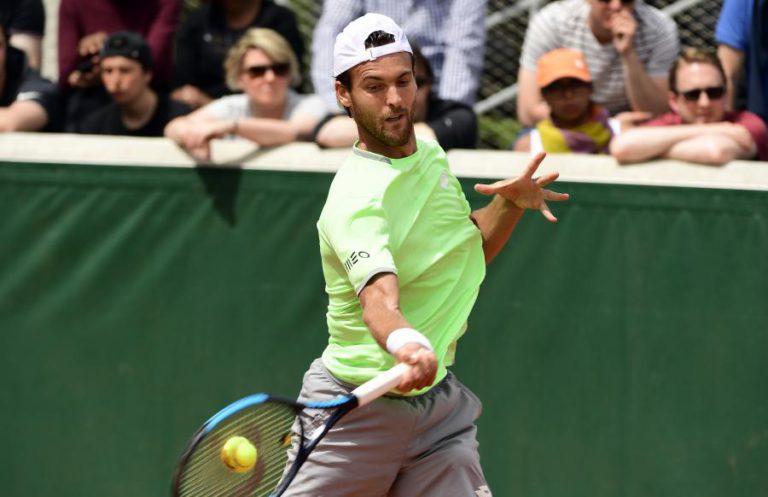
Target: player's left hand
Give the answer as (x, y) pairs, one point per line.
(527, 192)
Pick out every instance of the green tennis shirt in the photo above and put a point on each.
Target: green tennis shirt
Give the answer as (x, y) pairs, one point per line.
(405, 216)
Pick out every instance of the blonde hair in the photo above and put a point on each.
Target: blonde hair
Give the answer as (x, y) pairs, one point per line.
(268, 41)
(692, 55)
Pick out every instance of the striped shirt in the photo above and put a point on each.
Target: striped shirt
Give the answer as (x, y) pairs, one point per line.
(564, 24)
(450, 34)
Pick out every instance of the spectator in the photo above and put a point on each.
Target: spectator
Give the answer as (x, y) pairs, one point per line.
(83, 27)
(699, 129)
(629, 47)
(269, 113)
(451, 34)
(26, 28)
(575, 123)
(742, 34)
(453, 124)
(136, 109)
(27, 101)
(210, 31)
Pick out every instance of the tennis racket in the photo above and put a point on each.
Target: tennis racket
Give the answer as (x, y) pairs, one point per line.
(266, 423)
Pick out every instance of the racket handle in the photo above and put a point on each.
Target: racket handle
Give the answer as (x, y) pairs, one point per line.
(378, 386)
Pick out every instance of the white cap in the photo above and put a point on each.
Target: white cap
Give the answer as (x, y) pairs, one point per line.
(350, 50)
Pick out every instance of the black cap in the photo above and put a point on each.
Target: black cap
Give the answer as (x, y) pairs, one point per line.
(127, 44)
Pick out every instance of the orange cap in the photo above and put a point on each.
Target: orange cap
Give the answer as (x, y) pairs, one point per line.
(562, 63)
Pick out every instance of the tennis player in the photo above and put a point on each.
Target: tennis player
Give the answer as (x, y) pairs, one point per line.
(403, 258)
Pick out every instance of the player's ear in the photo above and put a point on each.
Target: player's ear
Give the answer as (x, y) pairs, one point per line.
(343, 97)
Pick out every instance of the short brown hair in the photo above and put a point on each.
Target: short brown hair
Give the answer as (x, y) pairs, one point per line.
(691, 55)
(268, 41)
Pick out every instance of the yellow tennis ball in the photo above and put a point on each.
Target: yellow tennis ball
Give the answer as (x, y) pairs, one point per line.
(239, 454)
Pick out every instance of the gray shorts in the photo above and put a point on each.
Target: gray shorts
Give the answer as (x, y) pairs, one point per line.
(422, 446)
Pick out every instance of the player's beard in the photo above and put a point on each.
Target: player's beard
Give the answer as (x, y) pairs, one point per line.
(374, 125)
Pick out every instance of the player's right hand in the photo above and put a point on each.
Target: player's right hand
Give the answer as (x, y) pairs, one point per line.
(423, 364)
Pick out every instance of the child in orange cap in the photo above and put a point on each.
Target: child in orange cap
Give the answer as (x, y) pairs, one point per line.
(575, 124)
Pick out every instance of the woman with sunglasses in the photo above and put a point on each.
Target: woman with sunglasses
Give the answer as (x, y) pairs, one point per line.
(263, 66)
(699, 129)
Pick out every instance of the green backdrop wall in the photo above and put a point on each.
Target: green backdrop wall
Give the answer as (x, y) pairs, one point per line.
(621, 352)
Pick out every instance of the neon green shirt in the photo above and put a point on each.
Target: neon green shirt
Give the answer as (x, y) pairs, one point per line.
(405, 216)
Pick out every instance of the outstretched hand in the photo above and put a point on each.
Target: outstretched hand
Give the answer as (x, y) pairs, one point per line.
(525, 191)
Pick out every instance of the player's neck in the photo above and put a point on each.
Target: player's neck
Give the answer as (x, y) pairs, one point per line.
(371, 144)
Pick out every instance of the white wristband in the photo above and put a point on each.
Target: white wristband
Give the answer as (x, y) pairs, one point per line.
(401, 336)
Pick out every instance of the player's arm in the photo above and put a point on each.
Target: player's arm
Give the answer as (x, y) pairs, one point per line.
(380, 300)
(498, 219)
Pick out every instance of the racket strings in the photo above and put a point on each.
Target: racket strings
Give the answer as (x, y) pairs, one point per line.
(268, 427)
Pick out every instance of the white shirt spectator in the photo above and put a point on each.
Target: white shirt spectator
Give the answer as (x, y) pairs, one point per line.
(237, 106)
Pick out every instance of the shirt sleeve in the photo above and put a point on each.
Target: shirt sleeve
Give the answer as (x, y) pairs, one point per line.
(35, 88)
(733, 24)
(336, 14)
(360, 240)
(757, 130)
(540, 38)
(464, 51)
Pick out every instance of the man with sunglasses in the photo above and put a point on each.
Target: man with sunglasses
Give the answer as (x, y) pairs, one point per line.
(699, 129)
(629, 47)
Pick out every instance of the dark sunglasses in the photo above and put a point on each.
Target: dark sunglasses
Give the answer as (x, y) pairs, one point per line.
(259, 71)
(713, 93)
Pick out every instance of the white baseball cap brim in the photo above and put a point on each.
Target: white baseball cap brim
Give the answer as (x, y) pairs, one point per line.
(349, 49)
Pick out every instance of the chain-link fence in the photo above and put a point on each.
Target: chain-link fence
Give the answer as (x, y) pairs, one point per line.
(506, 22)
